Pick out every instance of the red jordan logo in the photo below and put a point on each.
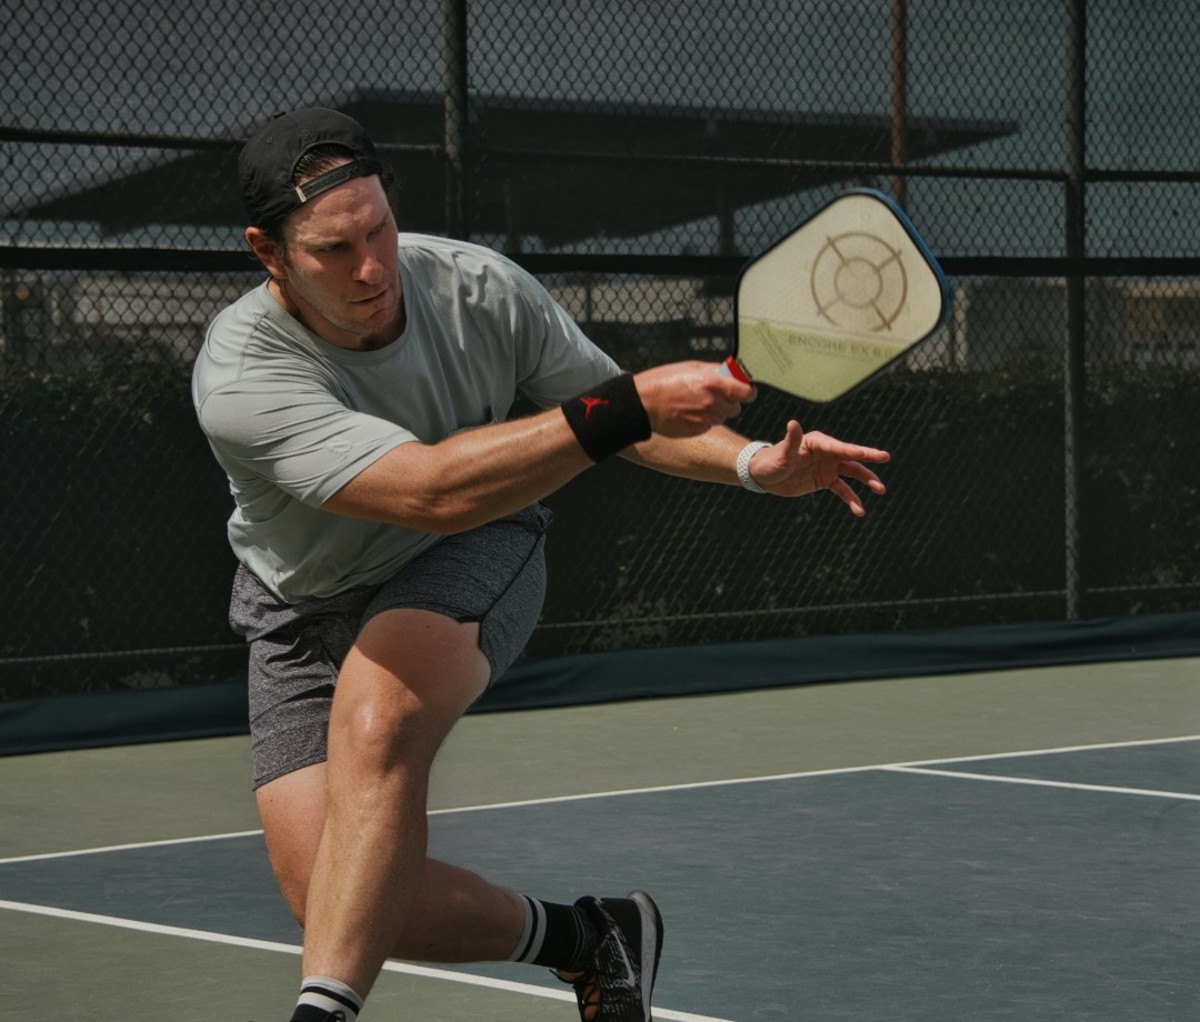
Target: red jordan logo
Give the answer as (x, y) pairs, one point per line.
(592, 402)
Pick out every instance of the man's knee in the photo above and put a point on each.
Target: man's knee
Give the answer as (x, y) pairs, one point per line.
(389, 732)
(404, 684)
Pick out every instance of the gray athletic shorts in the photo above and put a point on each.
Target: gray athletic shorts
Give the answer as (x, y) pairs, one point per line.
(495, 575)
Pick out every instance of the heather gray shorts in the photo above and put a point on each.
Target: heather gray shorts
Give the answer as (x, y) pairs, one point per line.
(495, 575)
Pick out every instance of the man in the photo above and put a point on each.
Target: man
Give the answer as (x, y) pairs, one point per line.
(388, 525)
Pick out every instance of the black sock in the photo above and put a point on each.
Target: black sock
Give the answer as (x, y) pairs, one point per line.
(555, 936)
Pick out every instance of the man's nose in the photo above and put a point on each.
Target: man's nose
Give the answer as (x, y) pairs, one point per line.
(368, 268)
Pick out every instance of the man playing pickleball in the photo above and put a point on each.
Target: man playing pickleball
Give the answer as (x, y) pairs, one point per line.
(389, 532)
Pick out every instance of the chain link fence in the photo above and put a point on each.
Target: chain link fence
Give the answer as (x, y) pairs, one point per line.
(633, 156)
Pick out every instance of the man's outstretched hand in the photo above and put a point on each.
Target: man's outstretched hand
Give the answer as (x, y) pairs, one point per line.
(806, 462)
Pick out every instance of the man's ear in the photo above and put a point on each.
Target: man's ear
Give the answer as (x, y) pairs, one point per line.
(268, 251)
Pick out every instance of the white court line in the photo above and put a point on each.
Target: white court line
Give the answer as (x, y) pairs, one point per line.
(130, 847)
(690, 786)
(294, 949)
(1135, 743)
(1041, 783)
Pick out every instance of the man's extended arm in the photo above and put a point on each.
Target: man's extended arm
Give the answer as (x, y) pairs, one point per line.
(482, 474)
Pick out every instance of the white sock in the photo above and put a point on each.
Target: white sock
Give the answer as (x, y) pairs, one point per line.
(530, 944)
(330, 995)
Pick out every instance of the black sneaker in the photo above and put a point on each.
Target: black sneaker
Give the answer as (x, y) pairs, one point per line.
(311, 1013)
(618, 984)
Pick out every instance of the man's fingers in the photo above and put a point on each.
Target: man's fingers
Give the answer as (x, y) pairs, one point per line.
(826, 444)
(860, 472)
(849, 497)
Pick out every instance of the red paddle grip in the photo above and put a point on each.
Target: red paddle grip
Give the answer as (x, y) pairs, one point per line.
(734, 369)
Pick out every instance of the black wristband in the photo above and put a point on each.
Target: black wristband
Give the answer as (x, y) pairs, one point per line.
(608, 418)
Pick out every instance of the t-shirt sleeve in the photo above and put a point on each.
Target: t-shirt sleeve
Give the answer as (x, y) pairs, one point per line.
(299, 438)
(555, 359)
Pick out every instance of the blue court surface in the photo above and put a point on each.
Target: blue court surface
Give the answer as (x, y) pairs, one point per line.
(1062, 884)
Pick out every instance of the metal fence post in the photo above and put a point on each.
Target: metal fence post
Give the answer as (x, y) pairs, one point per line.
(899, 119)
(454, 88)
(1074, 366)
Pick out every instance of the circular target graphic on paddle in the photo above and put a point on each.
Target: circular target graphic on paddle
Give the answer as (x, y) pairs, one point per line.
(859, 283)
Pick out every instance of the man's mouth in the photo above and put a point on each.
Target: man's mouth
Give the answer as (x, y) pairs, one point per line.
(372, 298)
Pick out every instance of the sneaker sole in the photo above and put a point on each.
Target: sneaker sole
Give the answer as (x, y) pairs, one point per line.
(652, 934)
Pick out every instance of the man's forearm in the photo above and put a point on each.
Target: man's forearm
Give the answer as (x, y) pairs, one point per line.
(470, 478)
(710, 457)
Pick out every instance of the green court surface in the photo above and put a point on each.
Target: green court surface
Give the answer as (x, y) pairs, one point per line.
(1009, 845)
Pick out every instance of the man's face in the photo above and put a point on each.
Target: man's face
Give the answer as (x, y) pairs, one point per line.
(339, 265)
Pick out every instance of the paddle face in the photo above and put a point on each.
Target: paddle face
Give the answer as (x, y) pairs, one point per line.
(843, 296)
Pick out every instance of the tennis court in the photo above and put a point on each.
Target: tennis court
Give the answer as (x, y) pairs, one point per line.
(1007, 845)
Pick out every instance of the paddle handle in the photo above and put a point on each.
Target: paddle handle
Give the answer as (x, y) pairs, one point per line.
(731, 367)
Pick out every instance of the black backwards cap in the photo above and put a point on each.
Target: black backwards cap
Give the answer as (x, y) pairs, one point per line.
(267, 164)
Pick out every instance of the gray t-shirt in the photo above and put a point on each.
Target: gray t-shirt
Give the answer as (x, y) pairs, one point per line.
(292, 418)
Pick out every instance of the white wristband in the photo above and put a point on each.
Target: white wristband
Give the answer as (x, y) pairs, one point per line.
(743, 465)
